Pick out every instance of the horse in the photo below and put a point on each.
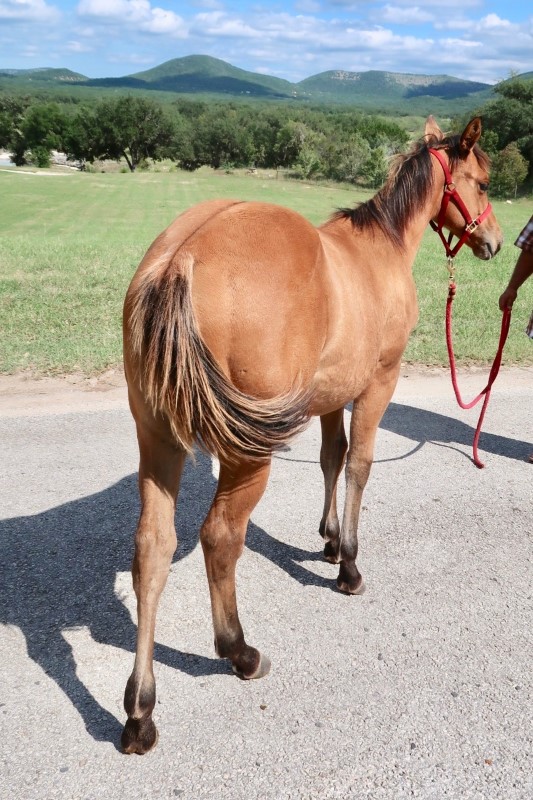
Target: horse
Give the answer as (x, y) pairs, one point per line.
(242, 322)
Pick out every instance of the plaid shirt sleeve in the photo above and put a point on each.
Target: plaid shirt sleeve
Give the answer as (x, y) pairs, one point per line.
(525, 240)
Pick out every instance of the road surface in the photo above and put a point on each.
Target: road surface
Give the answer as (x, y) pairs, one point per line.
(419, 688)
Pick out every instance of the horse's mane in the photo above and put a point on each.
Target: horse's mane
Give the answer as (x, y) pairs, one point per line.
(406, 189)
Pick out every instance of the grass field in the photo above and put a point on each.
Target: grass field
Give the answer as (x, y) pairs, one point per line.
(69, 244)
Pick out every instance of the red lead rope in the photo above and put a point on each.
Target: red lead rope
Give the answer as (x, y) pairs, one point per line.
(506, 321)
(452, 195)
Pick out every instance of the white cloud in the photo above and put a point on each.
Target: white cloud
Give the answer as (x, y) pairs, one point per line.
(30, 51)
(307, 6)
(440, 6)
(405, 16)
(453, 24)
(135, 13)
(218, 23)
(494, 22)
(27, 11)
(212, 4)
(78, 47)
(295, 43)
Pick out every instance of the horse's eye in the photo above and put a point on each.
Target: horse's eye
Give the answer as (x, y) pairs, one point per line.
(483, 187)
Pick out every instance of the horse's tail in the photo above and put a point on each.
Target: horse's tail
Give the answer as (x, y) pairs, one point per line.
(182, 381)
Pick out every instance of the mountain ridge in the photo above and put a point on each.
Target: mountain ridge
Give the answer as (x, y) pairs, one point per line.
(205, 75)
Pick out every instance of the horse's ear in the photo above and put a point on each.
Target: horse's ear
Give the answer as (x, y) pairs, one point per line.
(432, 130)
(470, 135)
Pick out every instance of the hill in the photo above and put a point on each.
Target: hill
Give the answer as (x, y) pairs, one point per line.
(373, 91)
(193, 74)
(390, 88)
(43, 74)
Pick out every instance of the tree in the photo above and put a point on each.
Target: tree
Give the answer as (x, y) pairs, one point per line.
(12, 110)
(510, 117)
(41, 130)
(181, 149)
(289, 143)
(376, 168)
(509, 170)
(82, 140)
(127, 127)
(345, 161)
(221, 140)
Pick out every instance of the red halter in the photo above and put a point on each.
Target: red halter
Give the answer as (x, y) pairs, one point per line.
(451, 194)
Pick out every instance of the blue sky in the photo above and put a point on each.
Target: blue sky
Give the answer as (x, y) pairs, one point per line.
(476, 39)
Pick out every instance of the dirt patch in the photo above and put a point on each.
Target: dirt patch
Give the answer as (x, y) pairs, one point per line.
(24, 394)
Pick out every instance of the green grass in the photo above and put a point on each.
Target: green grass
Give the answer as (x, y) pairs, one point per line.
(69, 245)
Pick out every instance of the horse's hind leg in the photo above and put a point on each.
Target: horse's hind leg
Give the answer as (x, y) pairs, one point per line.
(222, 536)
(367, 412)
(160, 469)
(332, 453)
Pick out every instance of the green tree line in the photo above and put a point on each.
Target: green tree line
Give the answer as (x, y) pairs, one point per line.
(508, 135)
(332, 143)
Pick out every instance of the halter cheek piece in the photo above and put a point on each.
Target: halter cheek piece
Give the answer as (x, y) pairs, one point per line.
(451, 194)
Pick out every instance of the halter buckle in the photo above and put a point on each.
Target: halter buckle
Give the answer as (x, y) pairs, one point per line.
(471, 227)
(450, 266)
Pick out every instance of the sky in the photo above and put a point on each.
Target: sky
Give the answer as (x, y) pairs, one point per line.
(480, 40)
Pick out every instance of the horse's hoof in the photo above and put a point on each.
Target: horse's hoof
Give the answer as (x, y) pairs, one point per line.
(331, 553)
(348, 587)
(138, 736)
(262, 669)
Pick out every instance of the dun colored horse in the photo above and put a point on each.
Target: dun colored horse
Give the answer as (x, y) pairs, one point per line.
(243, 321)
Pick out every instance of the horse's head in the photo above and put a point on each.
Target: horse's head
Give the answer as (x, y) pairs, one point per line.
(464, 208)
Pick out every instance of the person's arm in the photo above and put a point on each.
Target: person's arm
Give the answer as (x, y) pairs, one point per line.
(522, 271)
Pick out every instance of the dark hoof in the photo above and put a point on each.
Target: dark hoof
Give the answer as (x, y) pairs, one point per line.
(356, 586)
(262, 669)
(331, 553)
(139, 736)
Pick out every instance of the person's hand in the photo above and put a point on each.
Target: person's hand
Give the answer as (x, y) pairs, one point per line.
(507, 298)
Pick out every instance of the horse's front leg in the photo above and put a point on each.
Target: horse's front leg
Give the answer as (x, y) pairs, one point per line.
(367, 412)
(222, 536)
(332, 453)
(160, 469)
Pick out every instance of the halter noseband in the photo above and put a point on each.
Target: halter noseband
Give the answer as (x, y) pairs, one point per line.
(451, 194)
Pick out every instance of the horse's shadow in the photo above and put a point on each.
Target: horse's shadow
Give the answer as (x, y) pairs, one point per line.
(58, 573)
(59, 567)
(423, 427)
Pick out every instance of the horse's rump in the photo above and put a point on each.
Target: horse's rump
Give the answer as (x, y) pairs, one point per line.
(168, 314)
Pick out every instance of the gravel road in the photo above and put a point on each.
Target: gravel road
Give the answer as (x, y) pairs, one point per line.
(419, 688)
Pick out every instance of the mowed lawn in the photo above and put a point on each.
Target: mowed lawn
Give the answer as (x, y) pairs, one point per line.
(69, 244)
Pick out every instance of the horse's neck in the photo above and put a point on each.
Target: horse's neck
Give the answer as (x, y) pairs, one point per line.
(417, 226)
(373, 237)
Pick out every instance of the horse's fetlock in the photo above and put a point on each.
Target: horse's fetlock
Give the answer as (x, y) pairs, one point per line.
(139, 700)
(331, 530)
(228, 646)
(331, 552)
